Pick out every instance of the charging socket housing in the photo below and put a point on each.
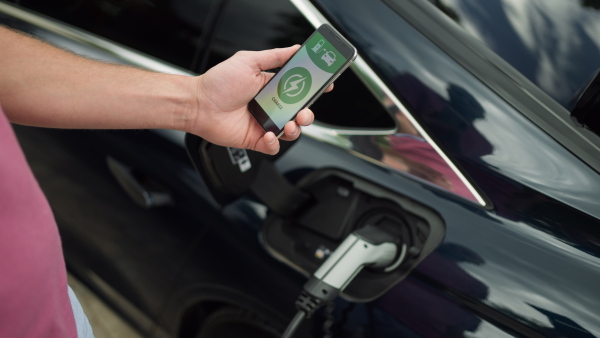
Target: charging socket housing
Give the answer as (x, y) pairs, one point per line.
(342, 203)
(308, 220)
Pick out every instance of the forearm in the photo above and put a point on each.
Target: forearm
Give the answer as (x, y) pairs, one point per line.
(42, 85)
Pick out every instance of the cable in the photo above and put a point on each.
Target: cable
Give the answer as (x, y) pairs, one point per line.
(306, 304)
(294, 324)
(329, 320)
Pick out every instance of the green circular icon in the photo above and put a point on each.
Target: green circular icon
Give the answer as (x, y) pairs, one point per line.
(294, 85)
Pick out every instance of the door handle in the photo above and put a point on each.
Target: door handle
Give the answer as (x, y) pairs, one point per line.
(136, 186)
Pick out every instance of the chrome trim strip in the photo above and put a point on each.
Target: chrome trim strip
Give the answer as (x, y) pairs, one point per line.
(381, 92)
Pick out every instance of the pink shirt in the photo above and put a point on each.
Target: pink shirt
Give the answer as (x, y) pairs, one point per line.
(33, 282)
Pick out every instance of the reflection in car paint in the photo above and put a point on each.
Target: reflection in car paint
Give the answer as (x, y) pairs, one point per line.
(419, 302)
(408, 151)
(518, 33)
(405, 151)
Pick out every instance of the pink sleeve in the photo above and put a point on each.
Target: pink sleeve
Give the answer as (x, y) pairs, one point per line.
(34, 300)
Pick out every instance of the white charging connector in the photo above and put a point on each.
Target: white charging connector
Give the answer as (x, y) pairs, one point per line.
(368, 246)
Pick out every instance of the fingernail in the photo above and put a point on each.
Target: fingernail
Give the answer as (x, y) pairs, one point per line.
(271, 138)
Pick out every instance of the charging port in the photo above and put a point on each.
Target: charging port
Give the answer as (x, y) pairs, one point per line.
(342, 204)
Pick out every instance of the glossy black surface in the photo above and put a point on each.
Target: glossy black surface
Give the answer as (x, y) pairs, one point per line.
(526, 265)
(555, 44)
(469, 121)
(517, 166)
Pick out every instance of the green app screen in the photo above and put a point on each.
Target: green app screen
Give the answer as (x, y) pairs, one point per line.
(309, 69)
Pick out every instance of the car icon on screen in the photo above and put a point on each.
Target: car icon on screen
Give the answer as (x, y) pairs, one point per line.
(329, 57)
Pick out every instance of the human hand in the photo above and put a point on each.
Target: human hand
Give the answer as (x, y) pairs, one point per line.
(222, 115)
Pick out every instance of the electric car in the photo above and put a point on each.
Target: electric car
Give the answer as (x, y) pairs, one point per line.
(466, 133)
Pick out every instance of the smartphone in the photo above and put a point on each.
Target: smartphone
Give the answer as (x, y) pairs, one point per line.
(318, 62)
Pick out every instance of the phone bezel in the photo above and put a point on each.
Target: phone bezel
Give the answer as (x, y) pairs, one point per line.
(340, 43)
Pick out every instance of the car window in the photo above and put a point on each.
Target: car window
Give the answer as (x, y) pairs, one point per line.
(265, 24)
(168, 30)
(555, 44)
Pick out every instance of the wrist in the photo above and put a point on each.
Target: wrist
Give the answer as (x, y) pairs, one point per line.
(198, 118)
(185, 100)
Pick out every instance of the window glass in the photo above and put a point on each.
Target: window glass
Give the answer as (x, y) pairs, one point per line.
(554, 43)
(168, 30)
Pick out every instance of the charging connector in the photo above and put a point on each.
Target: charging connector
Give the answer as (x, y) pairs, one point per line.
(369, 246)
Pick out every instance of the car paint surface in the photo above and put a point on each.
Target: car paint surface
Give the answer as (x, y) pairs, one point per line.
(521, 170)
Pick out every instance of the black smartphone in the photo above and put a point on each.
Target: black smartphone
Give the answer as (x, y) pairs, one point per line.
(318, 62)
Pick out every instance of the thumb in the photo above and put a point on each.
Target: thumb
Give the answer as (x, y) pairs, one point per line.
(274, 58)
(268, 144)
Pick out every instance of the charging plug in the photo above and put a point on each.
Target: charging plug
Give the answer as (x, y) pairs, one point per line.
(369, 246)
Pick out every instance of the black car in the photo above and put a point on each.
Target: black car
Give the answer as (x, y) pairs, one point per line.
(468, 130)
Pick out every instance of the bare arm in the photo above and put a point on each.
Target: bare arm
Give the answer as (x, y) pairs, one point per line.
(41, 85)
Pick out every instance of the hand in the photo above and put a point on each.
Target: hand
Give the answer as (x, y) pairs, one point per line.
(224, 91)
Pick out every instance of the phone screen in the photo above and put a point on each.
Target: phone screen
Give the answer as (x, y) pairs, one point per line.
(300, 79)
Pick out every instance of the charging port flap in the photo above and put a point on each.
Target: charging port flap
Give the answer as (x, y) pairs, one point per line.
(231, 172)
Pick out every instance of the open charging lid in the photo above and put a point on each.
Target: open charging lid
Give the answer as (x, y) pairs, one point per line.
(231, 172)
